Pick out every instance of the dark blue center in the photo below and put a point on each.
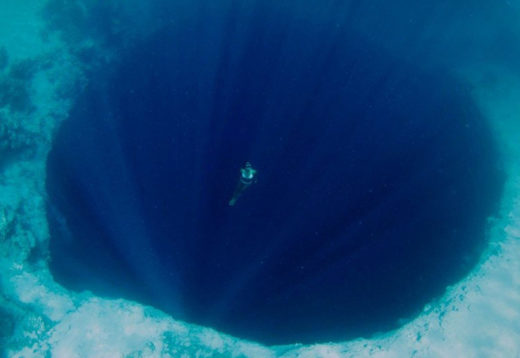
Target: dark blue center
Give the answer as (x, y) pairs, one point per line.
(374, 178)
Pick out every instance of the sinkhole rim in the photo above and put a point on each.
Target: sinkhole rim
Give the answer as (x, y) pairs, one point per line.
(211, 325)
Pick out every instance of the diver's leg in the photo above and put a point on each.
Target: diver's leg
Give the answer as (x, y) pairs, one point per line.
(238, 191)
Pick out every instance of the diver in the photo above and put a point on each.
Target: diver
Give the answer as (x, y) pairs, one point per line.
(247, 177)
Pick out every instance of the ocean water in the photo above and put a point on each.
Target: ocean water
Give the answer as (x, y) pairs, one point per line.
(376, 172)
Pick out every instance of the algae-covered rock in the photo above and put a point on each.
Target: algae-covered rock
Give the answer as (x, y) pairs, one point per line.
(15, 86)
(7, 326)
(15, 136)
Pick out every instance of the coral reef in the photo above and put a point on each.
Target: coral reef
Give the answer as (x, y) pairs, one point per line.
(7, 324)
(14, 137)
(14, 92)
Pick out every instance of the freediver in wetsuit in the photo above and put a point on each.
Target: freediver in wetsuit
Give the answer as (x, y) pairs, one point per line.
(247, 177)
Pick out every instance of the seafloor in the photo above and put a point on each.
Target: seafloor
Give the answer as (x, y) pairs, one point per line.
(41, 70)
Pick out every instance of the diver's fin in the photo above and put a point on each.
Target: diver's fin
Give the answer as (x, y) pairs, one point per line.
(232, 201)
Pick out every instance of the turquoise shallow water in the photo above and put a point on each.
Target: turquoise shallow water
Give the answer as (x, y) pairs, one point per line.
(459, 58)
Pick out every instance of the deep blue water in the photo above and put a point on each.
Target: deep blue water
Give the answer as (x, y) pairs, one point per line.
(376, 175)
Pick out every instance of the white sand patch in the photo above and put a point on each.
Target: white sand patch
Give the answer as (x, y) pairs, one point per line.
(49, 298)
(105, 328)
